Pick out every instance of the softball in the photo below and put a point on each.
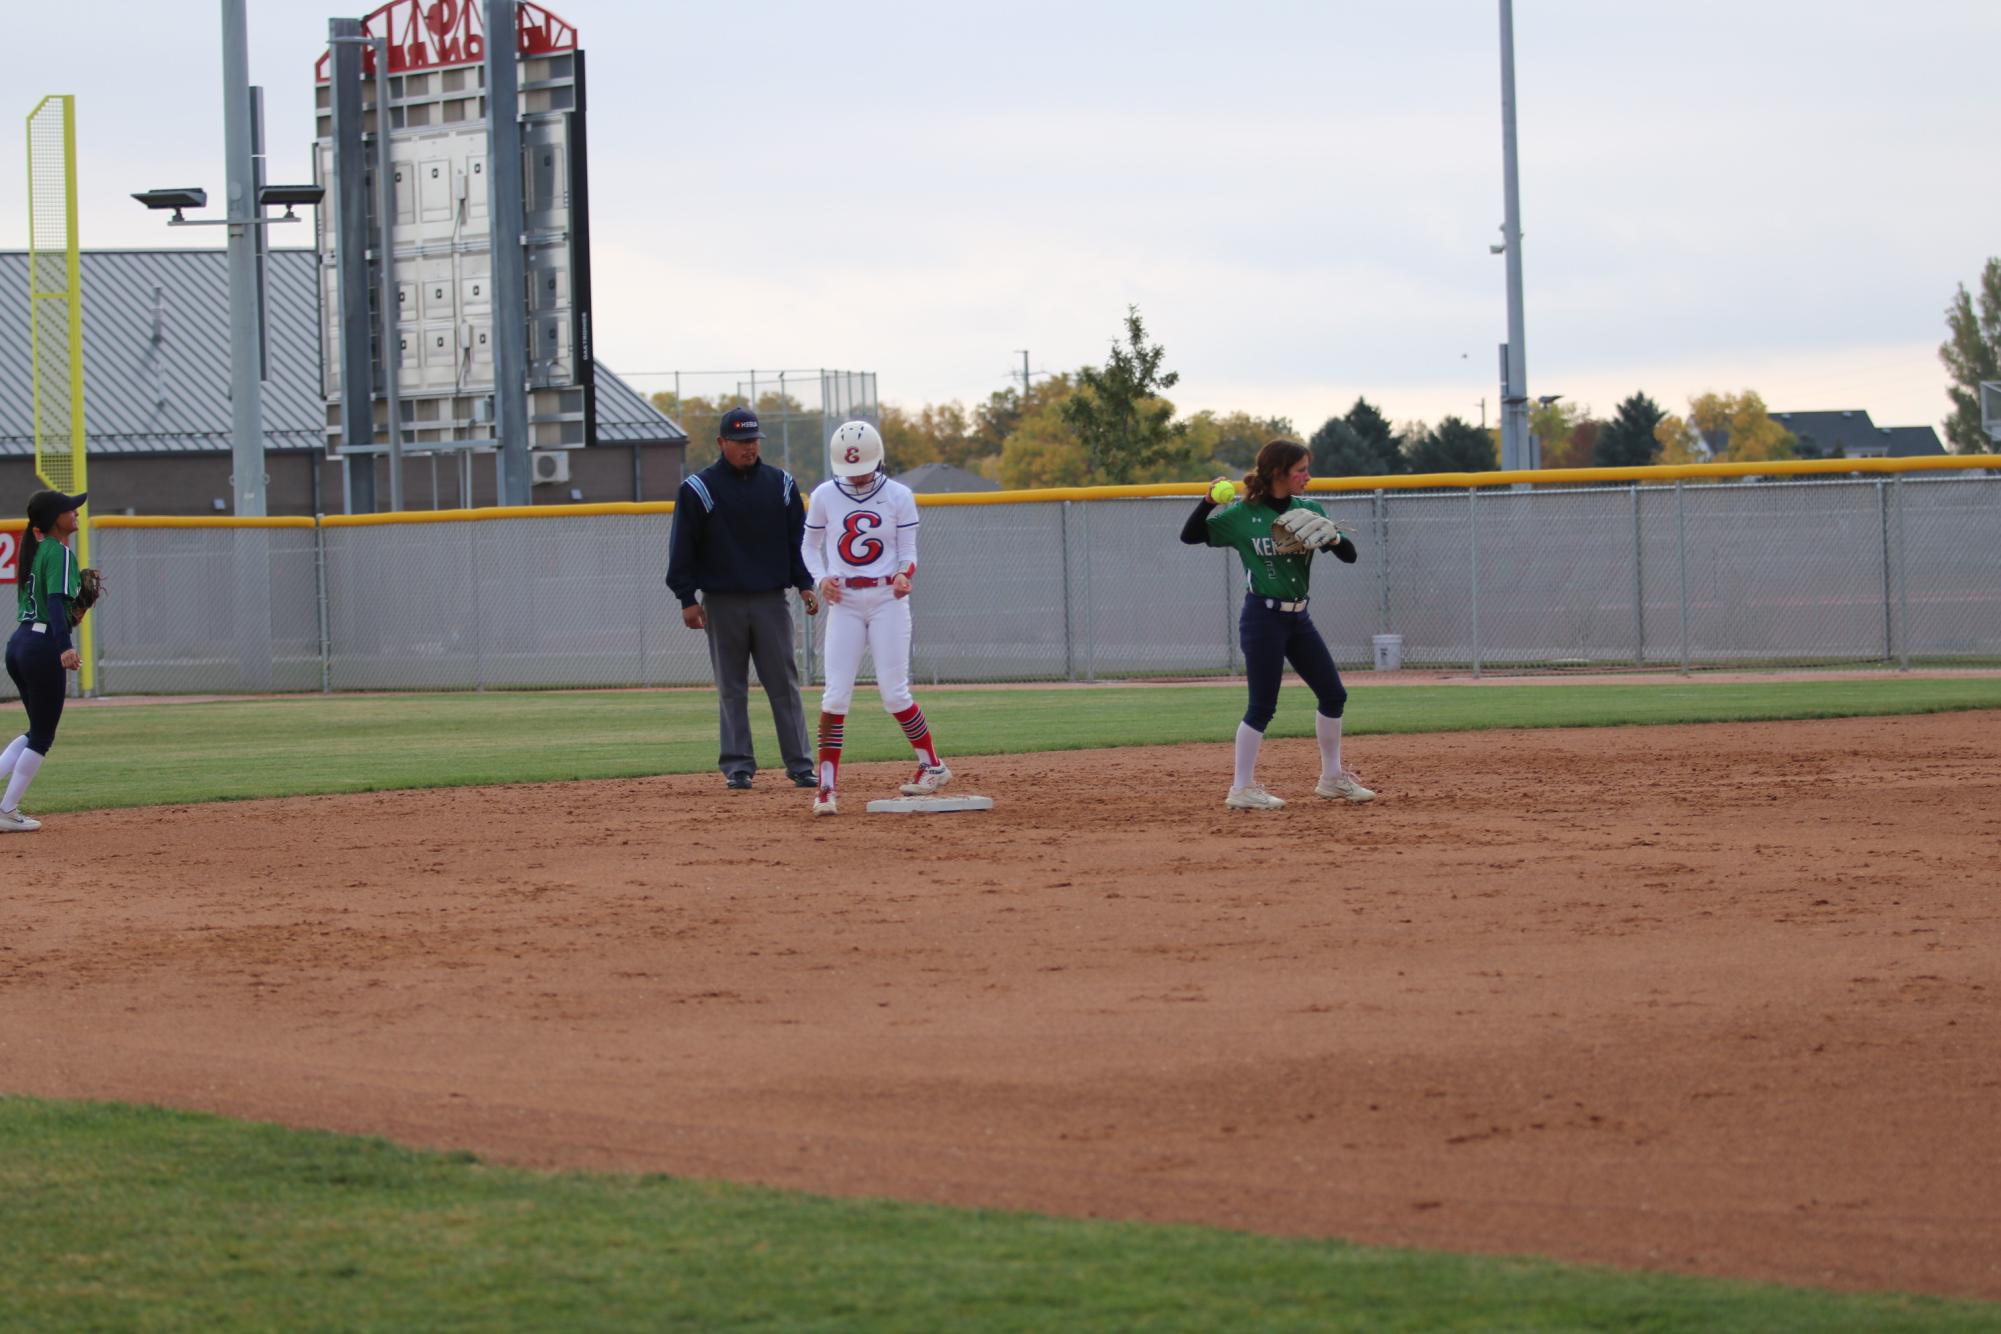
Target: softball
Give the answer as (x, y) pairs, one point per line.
(1223, 492)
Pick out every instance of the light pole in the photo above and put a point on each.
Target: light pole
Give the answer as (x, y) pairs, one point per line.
(245, 201)
(1515, 441)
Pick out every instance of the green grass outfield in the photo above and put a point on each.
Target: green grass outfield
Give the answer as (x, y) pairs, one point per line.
(135, 1218)
(152, 754)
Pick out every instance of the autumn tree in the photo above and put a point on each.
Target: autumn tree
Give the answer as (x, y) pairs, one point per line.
(1678, 442)
(1454, 445)
(1560, 427)
(700, 417)
(1042, 449)
(1627, 441)
(1743, 426)
(1232, 441)
(934, 433)
(1972, 354)
(1119, 414)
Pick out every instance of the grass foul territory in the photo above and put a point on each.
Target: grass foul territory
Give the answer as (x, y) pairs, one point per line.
(164, 754)
(137, 1218)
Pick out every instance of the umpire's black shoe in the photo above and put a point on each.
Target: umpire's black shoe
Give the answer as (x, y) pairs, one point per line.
(739, 782)
(805, 780)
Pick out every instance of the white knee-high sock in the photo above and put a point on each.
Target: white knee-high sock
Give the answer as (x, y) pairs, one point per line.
(1328, 731)
(9, 756)
(1248, 741)
(25, 769)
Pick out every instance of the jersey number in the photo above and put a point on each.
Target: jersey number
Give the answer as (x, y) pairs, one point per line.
(857, 547)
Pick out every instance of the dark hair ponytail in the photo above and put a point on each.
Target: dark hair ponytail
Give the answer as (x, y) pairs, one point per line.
(28, 544)
(1274, 460)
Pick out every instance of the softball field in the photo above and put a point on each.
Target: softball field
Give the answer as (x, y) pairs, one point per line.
(1714, 999)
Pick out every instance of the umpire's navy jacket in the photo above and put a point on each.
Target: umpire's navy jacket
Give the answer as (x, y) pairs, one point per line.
(737, 530)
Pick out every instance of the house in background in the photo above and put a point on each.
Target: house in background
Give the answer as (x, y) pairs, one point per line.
(943, 478)
(1851, 434)
(156, 409)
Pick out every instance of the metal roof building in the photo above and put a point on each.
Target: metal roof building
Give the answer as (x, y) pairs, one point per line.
(156, 375)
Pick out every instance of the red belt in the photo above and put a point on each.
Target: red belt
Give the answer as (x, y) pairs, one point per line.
(865, 581)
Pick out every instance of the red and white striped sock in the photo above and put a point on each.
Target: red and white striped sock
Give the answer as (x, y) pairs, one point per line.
(833, 726)
(919, 733)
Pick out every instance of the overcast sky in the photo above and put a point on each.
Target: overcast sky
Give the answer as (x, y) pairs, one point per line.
(1299, 197)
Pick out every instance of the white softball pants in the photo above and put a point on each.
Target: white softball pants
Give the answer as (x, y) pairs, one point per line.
(876, 620)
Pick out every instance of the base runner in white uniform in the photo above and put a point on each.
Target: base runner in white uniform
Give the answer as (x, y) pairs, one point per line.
(861, 549)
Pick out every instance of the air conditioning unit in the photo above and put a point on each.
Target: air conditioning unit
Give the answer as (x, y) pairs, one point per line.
(549, 466)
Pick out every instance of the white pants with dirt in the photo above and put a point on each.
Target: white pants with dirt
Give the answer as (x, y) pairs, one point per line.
(875, 620)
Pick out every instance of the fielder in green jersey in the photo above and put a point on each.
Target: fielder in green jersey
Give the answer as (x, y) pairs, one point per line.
(1275, 627)
(1247, 527)
(40, 655)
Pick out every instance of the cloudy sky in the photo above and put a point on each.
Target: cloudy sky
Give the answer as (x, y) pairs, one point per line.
(1299, 197)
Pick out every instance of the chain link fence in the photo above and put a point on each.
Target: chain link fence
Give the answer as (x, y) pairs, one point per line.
(1898, 570)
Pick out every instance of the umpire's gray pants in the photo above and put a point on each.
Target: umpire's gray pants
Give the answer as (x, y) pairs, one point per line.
(747, 627)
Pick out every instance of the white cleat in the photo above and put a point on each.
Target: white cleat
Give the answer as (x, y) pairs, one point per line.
(13, 822)
(1343, 787)
(824, 803)
(927, 780)
(1253, 798)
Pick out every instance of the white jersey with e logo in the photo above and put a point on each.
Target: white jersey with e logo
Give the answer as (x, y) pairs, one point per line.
(869, 535)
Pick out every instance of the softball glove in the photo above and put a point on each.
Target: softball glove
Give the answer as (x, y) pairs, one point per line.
(90, 592)
(1299, 531)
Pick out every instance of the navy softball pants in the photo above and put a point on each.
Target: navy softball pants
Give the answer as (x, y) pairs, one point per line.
(35, 664)
(1270, 639)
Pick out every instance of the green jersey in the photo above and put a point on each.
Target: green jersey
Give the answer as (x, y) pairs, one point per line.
(54, 571)
(1246, 526)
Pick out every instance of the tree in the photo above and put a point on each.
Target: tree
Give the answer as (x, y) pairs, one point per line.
(1454, 446)
(1361, 443)
(701, 418)
(1972, 354)
(1679, 442)
(1118, 413)
(1558, 425)
(907, 440)
(1742, 423)
(1232, 441)
(995, 420)
(1628, 439)
(1042, 449)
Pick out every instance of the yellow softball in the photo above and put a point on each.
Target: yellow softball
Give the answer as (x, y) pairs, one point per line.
(1223, 492)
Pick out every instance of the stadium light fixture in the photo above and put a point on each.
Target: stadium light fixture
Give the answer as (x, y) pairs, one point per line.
(192, 196)
(289, 197)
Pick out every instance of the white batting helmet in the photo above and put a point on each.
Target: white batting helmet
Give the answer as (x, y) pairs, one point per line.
(856, 450)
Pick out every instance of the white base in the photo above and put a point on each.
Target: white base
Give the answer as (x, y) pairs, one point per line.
(928, 805)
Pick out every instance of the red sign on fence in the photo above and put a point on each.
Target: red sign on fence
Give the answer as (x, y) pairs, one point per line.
(10, 555)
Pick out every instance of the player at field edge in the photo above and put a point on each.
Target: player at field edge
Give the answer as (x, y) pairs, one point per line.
(861, 549)
(39, 654)
(1274, 627)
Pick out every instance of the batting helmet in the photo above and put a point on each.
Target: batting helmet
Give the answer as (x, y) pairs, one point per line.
(855, 450)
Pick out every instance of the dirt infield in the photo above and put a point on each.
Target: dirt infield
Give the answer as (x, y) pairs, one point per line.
(1717, 999)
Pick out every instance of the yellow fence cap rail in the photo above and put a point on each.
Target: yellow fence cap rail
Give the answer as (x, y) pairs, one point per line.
(1460, 481)
(500, 512)
(197, 521)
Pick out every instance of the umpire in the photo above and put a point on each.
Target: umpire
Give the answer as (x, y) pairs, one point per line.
(737, 530)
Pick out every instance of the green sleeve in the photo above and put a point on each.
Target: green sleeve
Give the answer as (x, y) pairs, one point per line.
(1226, 528)
(55, 565)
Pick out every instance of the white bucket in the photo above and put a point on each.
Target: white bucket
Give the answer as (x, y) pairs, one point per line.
(1389, 653)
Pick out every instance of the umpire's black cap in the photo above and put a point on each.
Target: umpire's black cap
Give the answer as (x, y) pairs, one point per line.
(44, 506)
(741, 424)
